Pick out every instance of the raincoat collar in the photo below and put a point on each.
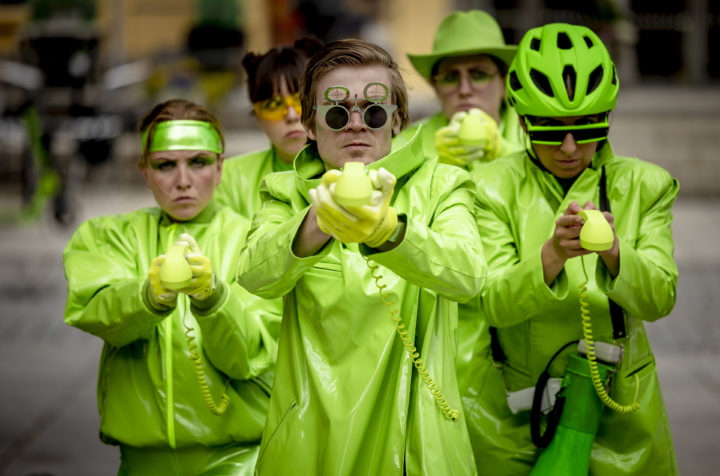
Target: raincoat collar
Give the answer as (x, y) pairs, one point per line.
(309, 167)
(278, 164)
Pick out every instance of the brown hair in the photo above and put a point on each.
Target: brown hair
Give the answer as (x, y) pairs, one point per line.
(350, 52)
(171, 110)
(264, 72)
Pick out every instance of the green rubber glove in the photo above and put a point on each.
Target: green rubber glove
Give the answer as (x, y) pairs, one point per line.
(371, 224)
(471, 135)
(202, 284)
(161, 297)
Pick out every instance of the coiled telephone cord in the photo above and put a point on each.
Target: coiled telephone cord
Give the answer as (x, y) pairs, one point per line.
(449, 413)
(215, 408)
(592, 359)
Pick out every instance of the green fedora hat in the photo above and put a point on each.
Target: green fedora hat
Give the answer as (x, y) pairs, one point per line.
(465, 33)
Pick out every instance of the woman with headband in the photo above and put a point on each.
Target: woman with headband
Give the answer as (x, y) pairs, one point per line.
(273, 84)
(181, 387)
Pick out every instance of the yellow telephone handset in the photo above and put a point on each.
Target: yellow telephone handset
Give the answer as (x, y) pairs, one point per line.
(596, 234)
(353, 188)
(175, 272)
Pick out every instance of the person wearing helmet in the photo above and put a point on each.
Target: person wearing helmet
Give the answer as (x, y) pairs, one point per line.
(467, 69)
(563, 85)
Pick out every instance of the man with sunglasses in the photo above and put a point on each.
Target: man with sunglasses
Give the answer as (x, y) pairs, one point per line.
(467, 70)
(365, 380)
(563, 85)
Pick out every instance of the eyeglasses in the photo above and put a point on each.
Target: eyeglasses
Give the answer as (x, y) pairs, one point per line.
(276, 109)
(479, 79)
(374, 115)
(555, 135)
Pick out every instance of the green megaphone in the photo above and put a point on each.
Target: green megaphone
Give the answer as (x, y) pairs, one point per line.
(568, 454)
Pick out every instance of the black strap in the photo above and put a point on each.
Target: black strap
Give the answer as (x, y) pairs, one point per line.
(542, 440)
(498, 354)
(617, 316)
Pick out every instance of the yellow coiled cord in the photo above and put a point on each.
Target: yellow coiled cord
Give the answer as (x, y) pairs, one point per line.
(592, 359)
(440, 400)
(219, 408)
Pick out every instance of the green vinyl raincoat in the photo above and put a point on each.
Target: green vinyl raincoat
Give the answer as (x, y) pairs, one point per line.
(241, 179)
(149, 395)
(469, 330)
(519, 204)
(347, 399)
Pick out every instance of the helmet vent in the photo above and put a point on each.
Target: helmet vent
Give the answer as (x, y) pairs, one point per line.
(535, 44)
(588, 41)
(541, 81)
(563, 41)
(514, 81)
(614, 80)
(595, 78)
(569, 79)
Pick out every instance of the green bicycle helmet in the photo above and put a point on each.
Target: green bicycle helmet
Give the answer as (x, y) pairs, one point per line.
(562, 70)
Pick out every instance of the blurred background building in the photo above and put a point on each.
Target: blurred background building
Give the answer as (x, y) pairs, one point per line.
(75, 75)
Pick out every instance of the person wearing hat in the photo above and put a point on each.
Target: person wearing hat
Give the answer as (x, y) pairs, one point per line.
(467, 70)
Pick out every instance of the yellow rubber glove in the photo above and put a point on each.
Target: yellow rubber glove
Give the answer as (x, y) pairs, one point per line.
(203, 278)
(160, 294)
(471, 135)
(372, 224)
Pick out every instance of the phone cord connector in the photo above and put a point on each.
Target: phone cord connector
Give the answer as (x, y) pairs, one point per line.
(449, 413)
(592, 359)
(215, 408)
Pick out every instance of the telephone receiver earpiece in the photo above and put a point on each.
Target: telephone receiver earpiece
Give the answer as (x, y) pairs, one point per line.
(353, 188)
(175, 272)
(472, 129)
(596, 234)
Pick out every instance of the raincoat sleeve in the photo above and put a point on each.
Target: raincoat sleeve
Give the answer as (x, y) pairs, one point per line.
(267, 266)
(516, 289)
(442, 254)
(105, 286)
(237, 320)
(646, 284)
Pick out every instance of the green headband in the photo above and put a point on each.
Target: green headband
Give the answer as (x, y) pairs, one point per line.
(184, 135)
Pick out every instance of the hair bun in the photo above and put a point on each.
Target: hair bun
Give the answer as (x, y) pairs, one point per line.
(308, 45)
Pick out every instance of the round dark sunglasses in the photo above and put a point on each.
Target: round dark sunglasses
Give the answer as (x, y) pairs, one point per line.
(374, 115)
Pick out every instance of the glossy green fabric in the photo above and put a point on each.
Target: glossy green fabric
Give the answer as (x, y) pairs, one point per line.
(241, 179)
(347, 399)
(148, 391)
(519, 204)
(471, 330)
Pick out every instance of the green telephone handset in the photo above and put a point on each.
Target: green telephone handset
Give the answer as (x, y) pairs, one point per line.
(175, 272)
(354, 188)
(596, 234)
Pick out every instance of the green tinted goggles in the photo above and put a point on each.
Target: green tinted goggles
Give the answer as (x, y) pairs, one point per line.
(555, 135)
